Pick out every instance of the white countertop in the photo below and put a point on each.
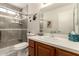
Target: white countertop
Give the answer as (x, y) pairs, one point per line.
(58, 42)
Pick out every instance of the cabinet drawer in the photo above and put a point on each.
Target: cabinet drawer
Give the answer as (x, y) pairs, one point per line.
(31, 43)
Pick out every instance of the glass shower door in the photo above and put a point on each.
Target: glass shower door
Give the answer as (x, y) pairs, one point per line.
(11, 32)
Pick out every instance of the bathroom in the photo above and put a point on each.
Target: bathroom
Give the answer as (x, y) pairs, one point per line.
(58, 33)
(22, 24)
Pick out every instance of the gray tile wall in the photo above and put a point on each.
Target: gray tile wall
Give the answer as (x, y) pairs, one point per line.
(11, 37)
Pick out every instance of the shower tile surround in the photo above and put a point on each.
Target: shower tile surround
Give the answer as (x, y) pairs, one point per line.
(11, 37)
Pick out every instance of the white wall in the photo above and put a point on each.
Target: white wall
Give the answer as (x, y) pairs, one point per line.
(61, 18)
(31, 8)
(32, 26)
(66, 21)
(50, 16)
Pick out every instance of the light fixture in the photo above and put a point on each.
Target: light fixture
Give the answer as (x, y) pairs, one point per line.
(11, 12)
(7, 11)
(3, 10)
(45, 4)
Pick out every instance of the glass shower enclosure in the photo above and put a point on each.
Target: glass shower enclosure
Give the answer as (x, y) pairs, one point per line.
(12, 31)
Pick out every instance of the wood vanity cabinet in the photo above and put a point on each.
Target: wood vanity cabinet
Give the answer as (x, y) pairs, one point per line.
(40, 49)
(31, 48)
(60, 52)
(44, 50)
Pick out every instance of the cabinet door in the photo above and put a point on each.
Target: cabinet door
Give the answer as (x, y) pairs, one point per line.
(31, 51)
(31, 48)
(31, 43)
(44, 50)
(60, 52)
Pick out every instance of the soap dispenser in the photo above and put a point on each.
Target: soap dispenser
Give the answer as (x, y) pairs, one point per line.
(73, 36)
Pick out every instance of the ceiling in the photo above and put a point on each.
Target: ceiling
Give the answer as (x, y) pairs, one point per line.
(23, 5)
(54, 6)
(35, 7)
(20, 5)
(31, 8)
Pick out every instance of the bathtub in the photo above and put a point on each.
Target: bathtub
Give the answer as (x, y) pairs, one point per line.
(9, 51)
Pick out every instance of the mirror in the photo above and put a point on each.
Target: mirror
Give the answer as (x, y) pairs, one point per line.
(77, 17)
(58, 18)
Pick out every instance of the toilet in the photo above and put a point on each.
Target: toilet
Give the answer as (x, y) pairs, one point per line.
(19, 48)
